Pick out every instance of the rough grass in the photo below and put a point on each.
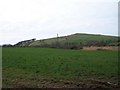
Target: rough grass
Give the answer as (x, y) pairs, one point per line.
(77, 39)
(44, 67)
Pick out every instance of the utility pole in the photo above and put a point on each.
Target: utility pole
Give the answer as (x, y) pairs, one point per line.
(57, 40)
(57, 36)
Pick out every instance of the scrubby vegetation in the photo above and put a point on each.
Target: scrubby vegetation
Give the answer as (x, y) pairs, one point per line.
(75, 41)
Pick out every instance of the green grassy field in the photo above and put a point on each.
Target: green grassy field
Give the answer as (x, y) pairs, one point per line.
(45, 67)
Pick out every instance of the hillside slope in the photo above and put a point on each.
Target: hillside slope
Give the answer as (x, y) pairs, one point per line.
(77, 40)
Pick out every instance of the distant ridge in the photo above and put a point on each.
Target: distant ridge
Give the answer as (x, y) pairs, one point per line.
(77, 40)
(73, 41)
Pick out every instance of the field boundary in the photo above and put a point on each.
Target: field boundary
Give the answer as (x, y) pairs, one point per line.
(112, 48)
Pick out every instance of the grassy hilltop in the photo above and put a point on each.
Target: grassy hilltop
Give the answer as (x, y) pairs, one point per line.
(74, 41)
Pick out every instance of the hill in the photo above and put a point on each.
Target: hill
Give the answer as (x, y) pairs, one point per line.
(74, 41)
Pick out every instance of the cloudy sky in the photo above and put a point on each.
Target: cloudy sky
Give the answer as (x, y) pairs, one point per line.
(27, 19)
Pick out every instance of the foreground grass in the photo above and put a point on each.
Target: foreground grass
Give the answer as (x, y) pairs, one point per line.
(44, 67)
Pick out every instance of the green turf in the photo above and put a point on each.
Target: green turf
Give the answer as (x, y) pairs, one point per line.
(58, 63)
(78, 38)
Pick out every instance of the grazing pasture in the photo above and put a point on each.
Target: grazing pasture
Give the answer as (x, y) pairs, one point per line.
(45, 67)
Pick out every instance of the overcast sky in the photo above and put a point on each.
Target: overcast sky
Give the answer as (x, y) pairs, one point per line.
(27, 19)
